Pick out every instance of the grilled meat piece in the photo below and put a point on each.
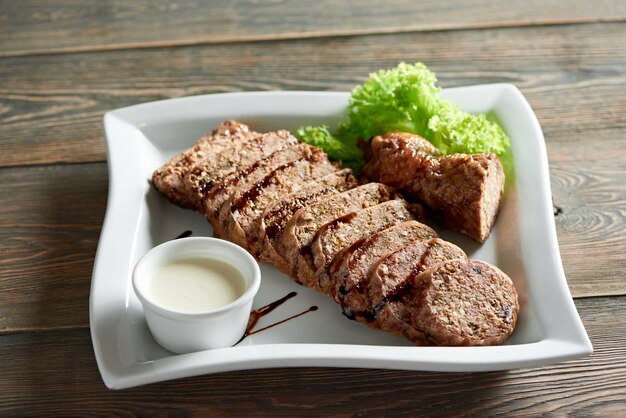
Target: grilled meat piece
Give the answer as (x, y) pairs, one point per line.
(241, 180)
(240, 216)
(463, 302)
(342, 232)
(349, 270)
(396, 267)
(380, 302)
(275, 216)
(295, 241)
(229, 147)
(462, 190)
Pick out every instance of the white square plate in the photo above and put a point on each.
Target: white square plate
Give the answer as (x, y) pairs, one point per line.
(523, 244)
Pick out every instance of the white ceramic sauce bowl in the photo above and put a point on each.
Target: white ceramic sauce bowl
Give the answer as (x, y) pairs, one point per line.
(185, 332)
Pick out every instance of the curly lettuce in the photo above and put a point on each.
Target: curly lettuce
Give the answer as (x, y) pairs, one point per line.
(342, 149)
(406, 99)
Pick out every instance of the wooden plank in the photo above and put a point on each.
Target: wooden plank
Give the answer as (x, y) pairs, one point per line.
(589, 194)
(35, 27)
(50, 221)
(54, 373)
(51, 107)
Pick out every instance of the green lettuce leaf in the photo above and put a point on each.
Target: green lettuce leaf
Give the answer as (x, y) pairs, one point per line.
(407, 99)
(344, 150)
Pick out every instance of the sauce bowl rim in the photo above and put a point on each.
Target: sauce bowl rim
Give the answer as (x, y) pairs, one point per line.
(176, 249)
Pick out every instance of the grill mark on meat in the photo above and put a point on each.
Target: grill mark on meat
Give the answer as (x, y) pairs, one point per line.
(398, 292)
(237, 176)
(332, 239)
(231, 146)
(217, 209)
(351, 266)
(273, 231)
(341, 220)
(300, 230)
(405, 286)
(276, 217)
(430, 253)
(252, 193)
(354, 248)
(207, 179)
(243, 223)
(382, 305)
(388, 218)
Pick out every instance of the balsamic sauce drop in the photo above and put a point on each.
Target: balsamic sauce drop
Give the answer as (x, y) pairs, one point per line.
(184, 235)
(257, 314)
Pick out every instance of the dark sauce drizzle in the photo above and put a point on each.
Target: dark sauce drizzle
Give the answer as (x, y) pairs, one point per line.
(257, 314)
(253, 193)
(281, 215)
(395, 295)
(184, 234)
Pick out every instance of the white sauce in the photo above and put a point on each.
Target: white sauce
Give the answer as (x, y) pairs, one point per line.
(196, 285)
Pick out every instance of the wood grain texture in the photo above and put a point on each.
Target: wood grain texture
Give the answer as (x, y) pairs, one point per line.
(51, 107)
(589, 190)
(50, 221)
(54, 373)
(35, 27)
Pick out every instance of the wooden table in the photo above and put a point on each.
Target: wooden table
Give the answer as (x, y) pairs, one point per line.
(63, 65)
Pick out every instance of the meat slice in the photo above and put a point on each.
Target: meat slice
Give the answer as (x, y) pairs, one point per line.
(276, 216)
(189, 174)
(396, 267)
(342, 232)
(463, 302)
(387, 283)
(348, 272)
(371, 170)
(242, 179)
(462, 190)
(240, 216)
(298, 234)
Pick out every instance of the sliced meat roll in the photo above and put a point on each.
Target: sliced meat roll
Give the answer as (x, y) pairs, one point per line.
(463, 302)
(229, 147)
(240, 216)
(419, 145)
(276, 216)
(387, 282)
(348, 272)
(241, 180)
(342, 232)
(463, 190)
(300, 230)
(389, 273)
